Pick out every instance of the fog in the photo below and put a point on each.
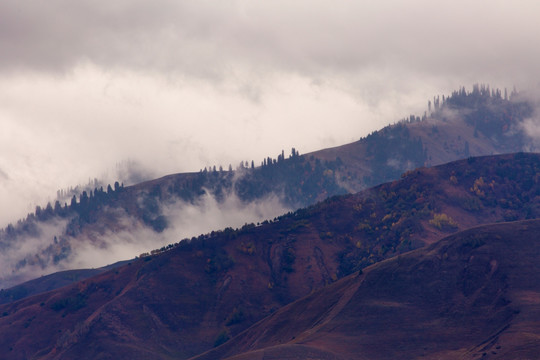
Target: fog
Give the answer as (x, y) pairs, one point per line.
(185, 221)
(171, 86)
(18, 261)
(23, 259)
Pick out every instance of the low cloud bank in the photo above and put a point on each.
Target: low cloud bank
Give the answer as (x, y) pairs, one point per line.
(531, 125)
(32, 253)
(33, 256)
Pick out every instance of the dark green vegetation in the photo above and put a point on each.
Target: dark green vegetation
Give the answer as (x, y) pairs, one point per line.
(190, 296)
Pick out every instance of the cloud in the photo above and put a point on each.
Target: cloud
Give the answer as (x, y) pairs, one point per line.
(185, 221)
(313, 38)
(531, 125)
(187, 218)
(129, 239)
(532, 129)
(175, 85)
(18, 260)
(90, 125)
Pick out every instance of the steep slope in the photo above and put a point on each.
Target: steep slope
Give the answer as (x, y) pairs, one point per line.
(464, 124)
(473, 295)
(424, 205)
(193, 295)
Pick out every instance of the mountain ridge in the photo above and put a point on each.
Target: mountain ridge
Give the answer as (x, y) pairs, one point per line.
(181, 301)
(480, 122)
(480, 304)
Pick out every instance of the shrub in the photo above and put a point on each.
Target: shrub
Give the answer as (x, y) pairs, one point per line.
(237, 316)
(443, 222)
(222, 338)
(70, 304)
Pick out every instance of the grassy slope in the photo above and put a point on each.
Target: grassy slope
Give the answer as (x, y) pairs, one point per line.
(471, 295)
(179, 303)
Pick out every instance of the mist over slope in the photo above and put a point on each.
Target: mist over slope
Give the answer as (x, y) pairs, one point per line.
(81, 236)
(480, 122)
(85, 79)
(190, 296)
(101, 226)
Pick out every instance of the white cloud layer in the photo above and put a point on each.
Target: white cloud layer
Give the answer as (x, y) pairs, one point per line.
(177, 85)
(187, 220)
(91, 251)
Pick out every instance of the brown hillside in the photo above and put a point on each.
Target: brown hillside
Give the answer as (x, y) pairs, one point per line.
(194, 295)
(473, 295)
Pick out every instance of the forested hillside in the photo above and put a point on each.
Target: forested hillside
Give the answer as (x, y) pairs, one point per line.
(480, 122)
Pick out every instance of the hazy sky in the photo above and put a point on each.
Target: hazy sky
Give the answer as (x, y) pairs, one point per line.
(175, 85)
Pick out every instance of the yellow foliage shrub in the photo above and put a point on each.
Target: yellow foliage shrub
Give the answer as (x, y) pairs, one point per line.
(443, 222)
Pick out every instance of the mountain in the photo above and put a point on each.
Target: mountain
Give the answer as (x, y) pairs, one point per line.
(464, 124)
(51, 282)
(480, 122)
(188, 297)
(472, 295)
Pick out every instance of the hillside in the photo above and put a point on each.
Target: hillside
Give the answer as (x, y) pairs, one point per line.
(473, 295)
(481, 122)
(50, 282)
(463, 124)
(193, 295)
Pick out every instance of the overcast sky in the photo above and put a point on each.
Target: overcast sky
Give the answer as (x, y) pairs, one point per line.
(175, 86)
